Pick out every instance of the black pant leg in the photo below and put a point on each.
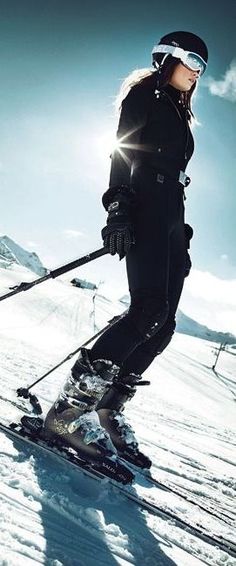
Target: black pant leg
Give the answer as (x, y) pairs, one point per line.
(147, 268)
(144, 354)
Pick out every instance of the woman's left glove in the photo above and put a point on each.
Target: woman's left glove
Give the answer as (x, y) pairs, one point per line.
(118, 234)
(188, 236)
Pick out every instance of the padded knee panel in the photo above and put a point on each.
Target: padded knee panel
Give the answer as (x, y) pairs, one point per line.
(148, 313)
(158, 344)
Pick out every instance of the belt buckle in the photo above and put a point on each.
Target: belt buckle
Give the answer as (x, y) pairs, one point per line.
(182, 177)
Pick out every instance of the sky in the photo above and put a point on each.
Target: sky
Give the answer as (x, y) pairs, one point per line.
(61, 65)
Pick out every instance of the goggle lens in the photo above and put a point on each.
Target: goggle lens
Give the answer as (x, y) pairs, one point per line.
(195, 63)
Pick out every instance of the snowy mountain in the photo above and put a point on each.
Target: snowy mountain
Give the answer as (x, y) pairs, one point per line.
(12, 253)
(186, 325)
(184, 421)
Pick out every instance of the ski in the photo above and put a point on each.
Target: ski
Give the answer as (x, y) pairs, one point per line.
(179, 491)
(183, 494)
(108, 467)
(101, 474)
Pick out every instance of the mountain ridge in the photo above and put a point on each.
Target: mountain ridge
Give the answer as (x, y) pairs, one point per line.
(11, 252)
(189, 326)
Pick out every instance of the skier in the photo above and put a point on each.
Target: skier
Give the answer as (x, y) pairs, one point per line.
(145, 223)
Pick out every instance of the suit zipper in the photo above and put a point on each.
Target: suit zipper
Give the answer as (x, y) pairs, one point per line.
(183, 120)
(187, 137)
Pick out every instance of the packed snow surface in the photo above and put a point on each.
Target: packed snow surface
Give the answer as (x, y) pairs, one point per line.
(54, 515)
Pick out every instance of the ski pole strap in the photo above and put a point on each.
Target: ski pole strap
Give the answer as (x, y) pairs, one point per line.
(24, 286)
(23, 392)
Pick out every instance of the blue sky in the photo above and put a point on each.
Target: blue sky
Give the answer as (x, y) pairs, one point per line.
(61, 64)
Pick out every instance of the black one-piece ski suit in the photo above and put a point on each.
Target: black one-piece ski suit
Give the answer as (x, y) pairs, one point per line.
(156, 143)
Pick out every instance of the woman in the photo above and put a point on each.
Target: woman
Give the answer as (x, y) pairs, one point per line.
(145, 204)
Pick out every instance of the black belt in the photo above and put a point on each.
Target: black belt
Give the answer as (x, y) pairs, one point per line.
(181, 177)
(162, 172)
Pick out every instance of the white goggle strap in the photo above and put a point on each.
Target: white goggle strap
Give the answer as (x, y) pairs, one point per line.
(170, 49)
(158, 65)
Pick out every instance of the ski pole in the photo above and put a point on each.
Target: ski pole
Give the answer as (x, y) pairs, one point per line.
(24, 391)
(24, 286)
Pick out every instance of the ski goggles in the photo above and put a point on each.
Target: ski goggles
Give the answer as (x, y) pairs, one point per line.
(191, 60)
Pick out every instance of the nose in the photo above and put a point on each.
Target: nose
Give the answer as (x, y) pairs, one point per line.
(195, 75)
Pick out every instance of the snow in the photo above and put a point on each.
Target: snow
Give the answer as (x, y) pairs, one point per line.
(185, 422)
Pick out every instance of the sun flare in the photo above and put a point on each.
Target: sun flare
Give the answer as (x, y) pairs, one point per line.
(107, 143)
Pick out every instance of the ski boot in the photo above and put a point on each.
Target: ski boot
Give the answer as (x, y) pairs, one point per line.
(72, 420)
(110, 411)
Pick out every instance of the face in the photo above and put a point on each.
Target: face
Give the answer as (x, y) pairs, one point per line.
(183, 78)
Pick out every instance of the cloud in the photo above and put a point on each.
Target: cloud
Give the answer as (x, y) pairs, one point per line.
(226, 87)
(72, 234)
(31, 244)
(210, 300)
(209, 287)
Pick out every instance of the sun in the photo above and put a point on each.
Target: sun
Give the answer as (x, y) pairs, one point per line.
(106, 144)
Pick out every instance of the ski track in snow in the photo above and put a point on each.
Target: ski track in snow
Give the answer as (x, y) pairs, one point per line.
(184, 420)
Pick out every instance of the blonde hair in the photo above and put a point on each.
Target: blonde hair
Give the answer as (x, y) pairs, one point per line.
(142, 75)
(131, 80)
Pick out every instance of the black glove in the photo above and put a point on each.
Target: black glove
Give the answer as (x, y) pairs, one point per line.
(118, 234)
(188, 236)
(188, 264)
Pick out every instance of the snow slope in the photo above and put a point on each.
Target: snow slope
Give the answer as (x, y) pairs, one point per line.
(184, 420)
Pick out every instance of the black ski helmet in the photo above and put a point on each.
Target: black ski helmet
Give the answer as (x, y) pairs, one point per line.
(187, 41)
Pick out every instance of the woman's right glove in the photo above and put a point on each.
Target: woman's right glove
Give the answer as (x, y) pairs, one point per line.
(118, 234)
